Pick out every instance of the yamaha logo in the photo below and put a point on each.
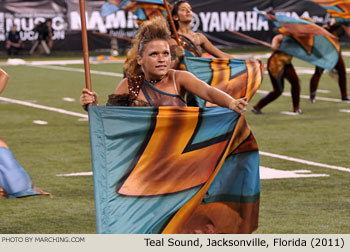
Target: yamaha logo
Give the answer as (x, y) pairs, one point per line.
(195, 22)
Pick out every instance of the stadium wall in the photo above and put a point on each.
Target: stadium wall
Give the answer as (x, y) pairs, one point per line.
(211, 17)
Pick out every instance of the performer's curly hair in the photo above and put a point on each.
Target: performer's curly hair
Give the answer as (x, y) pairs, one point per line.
(156, 28)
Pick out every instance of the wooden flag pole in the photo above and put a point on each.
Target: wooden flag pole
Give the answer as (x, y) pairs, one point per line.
(172, 22)
(251, 39)
(111, 36)
(85, 45)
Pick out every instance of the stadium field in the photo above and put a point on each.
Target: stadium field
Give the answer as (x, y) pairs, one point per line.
(305, 161)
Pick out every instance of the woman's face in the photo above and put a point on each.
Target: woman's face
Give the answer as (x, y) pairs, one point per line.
(155, 59)
(184, 13)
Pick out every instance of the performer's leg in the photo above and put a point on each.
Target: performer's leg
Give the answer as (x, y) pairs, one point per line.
(46, 48)
(292, 77)
(314, 83)
(36, 43)
(278, 86)
(340, 67)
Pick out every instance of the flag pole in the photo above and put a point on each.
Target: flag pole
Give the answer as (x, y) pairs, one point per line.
(111, 36)
(171, 22)
(85, 45)
(251, 39)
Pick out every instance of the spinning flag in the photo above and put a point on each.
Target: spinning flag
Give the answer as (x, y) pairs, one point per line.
(338, 9)
(144, 9)
(14, 180)
(239, 78)
(173, 170)
(306, 41)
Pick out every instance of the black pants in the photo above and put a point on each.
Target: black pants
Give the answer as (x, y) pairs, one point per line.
(340, 67)
(278, 86)
(13, 50)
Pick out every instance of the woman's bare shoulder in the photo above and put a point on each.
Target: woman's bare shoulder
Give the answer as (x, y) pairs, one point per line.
(122, 88)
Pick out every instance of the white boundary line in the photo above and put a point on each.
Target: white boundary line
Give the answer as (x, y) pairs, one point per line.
(318, 98)
(19, 61)
(302, 161)
(80, 70)
(62, 111)
(75, 174)
(29, 104)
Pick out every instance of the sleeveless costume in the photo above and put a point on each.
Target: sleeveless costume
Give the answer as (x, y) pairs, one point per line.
(154, 96)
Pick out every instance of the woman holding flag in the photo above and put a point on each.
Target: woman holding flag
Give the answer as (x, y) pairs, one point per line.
(191, 42)
(150, 80)
(186, 179)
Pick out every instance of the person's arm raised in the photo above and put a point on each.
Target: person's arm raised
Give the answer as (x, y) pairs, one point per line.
(276, 42)
(210, 48)
(192, 84)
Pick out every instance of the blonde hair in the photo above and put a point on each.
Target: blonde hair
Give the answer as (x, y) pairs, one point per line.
(156, 28)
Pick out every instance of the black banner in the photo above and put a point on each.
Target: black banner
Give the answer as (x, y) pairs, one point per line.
(211, 17)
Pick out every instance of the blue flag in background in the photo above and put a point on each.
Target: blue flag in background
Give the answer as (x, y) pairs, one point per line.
(143, 9)
(14, 180)
(236, 77)
(338, 9)
(173, 170)
(305, 40)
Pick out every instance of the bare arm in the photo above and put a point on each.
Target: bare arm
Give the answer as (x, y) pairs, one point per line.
(91, 98)
(3, 80)
(210, 48)
(122, 88)
(192, 84)
(276, 42)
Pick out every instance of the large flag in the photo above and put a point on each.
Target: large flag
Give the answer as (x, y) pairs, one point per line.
(173, 170)
(143, 9)
(14, 180)
(239, 78)
(305, 40)
(338, 9)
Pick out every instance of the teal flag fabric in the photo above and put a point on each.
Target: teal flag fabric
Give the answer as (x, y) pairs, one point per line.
(143, 9)
(308, 42)
(338, 9)
(305, 40)
(323, 53)
(237, 77)
(173, 170)
(14, 180)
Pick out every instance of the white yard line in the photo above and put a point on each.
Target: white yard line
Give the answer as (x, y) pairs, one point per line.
(270, 173)
(62, 111)
(75, 174)
(302, 161)
(18, 61)
(33, 105)
(265, 173)
(289, 113)
(80, 70)
(47, 64)
(318, 98)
